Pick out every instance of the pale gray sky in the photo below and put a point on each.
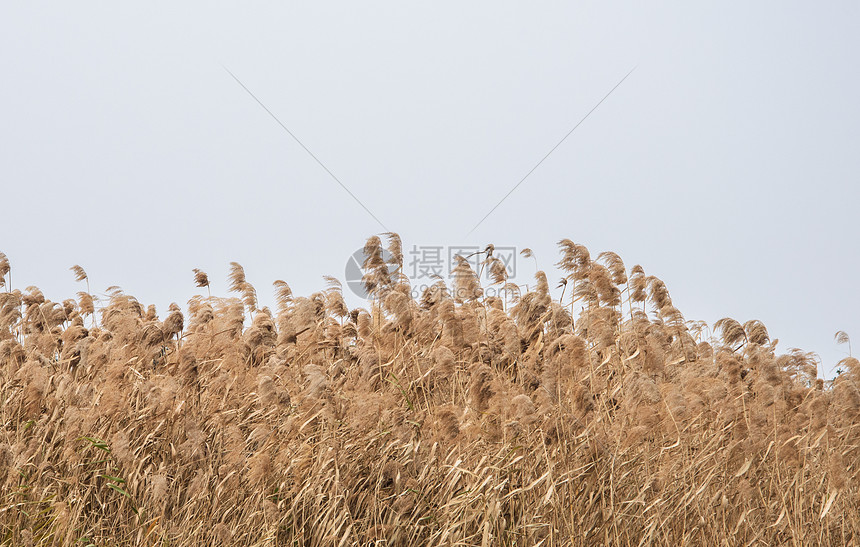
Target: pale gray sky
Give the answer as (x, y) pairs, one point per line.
(727, 164)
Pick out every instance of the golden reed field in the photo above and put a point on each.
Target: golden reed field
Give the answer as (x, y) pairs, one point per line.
(454, 419)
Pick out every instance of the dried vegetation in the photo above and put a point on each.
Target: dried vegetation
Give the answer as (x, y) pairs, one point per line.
(454, 419)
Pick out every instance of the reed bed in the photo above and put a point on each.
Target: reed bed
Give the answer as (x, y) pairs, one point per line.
(602, 417)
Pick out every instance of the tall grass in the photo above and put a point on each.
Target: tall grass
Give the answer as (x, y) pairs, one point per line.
(457, 419)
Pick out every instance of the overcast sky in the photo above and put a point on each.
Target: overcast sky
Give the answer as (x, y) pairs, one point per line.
(726, 164)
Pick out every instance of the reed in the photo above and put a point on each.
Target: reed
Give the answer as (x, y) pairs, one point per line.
(453, 419)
